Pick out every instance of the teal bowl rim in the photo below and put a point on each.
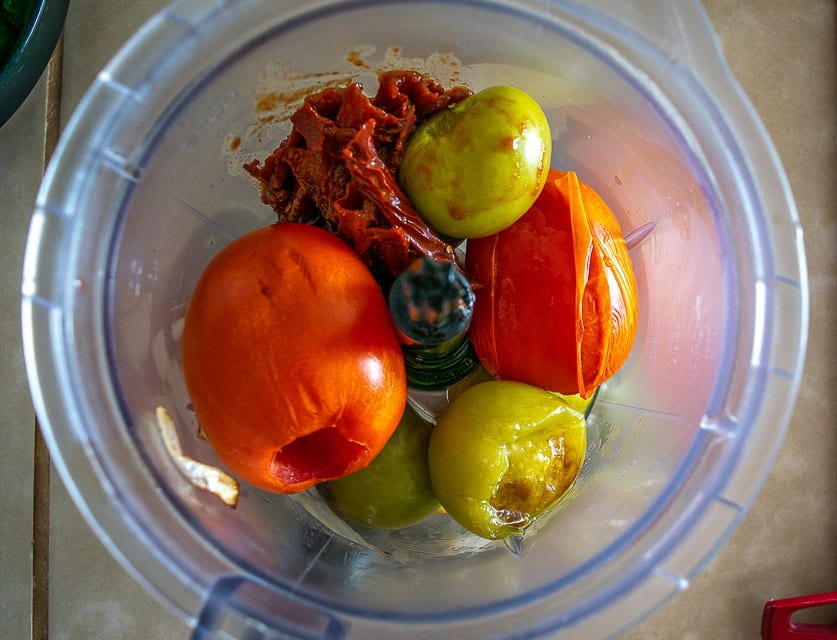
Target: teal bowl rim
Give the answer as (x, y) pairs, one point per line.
(29, 59)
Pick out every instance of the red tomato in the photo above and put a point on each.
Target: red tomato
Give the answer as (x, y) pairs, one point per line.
(290, 358)
(556, 302)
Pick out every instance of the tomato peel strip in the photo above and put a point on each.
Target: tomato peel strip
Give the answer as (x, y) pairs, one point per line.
(200, 474)
(606, 298)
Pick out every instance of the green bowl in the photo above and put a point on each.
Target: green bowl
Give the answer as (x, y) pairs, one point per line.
(29, 30)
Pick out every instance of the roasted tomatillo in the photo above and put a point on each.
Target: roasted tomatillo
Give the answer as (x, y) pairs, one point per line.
(502, 454)
(476, 167)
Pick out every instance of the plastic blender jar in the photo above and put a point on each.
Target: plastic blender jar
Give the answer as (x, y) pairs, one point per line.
(140, 195)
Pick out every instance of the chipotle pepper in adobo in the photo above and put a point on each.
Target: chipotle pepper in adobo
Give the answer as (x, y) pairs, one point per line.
(337, 168)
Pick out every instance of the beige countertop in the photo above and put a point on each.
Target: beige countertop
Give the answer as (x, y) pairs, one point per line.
(783, 53)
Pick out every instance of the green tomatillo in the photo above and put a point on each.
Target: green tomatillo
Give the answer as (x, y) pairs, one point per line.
(475, 168)
(503, 453)
(394, 491)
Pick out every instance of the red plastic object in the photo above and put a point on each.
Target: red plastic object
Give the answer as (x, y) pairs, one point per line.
(776, 623)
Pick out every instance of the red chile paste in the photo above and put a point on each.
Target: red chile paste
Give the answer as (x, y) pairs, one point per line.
(337, 169)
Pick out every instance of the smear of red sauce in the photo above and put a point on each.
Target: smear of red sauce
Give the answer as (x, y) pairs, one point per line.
(337, 168)
(356, 58)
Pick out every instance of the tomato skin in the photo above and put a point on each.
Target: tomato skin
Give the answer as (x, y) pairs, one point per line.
(523, 289)
(556, 303)
(290, 358)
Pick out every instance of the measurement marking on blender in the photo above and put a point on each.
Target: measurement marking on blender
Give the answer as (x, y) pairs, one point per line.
(731, 504)
(310, 564)
(788, 281)
(180, 20)
(202, 217)
(642, 410)
(781, 373)
(121, 165)
(680, 582)
(42, 302)
(49, 207)
(106, 79)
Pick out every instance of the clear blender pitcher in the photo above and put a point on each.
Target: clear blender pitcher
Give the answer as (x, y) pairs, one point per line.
(143, 191)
